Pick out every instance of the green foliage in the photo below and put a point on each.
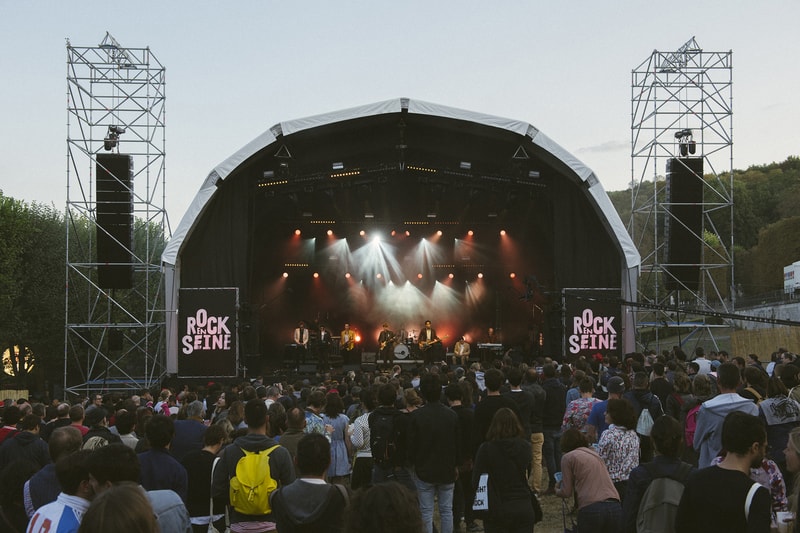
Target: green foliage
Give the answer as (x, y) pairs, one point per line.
(764, 222)
(31, 284)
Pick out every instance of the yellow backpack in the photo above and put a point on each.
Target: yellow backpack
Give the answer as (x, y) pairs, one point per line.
(252, 484)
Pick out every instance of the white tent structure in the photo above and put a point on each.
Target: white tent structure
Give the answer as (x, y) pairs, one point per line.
(376, 140)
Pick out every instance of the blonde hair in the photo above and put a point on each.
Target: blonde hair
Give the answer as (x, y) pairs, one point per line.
(412, 398)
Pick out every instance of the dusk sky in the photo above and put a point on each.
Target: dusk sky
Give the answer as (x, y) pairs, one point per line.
(235, 69)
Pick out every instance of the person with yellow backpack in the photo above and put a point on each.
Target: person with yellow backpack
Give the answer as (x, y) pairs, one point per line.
(249, 470)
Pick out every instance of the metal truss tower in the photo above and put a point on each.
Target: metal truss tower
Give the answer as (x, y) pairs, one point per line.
(114, 338)
(681, 114)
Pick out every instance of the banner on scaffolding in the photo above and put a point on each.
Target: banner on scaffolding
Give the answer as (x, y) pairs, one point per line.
(207, 332)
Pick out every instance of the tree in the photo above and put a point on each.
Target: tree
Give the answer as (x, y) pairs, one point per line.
(31, 286)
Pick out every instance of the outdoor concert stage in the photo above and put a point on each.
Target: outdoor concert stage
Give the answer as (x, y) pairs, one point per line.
(400, 212)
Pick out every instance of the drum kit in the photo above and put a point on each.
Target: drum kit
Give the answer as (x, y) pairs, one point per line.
(405, 345)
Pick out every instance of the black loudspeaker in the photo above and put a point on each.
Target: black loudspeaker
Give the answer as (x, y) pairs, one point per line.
(684, 223)
(114, 219)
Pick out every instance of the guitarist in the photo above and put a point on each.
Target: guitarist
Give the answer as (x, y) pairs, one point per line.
(430, 344)
(347, 343)
(386, 345)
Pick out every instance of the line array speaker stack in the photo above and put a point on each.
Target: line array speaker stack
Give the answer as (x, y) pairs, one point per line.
(684, 225)
(114, 219)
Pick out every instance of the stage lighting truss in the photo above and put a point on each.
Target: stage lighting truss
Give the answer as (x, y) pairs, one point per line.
(292, 180)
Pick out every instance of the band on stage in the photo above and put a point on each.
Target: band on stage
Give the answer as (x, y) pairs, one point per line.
(392, 347)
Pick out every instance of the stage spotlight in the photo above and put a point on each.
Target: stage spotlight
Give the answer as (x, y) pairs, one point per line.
(450, 275)
(379, 275)
(439, 233)
(112, 137)
(316, 275)
(408, 233)
(419, 276)
(394, 233)
(337, 165)
(376, 239)
(502, 232)
(512, 275)
(297, 232)
(362, 232)
(465, 165)
(330, 232)
(285, 274)
(480, 275)
(470, 233)
(347, 275)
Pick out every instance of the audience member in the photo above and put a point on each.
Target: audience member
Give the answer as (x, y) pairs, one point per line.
(295, 429)
(159, 469)
(198, 465)
(619, 445)
(506, 458)
(386, 507)
(64, 514)
(710, 417)
(701, 509)
(554, 406)
(434, 442)
(25, 445)
(362, 463)
(310, 503)
(43, 487)
(281, 469)
(123, 507)
(667, 437)
(116, 463)
(189, 432)
(341, 447)
(585, 474)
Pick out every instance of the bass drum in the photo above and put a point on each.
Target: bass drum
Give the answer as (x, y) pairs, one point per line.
(401, 351)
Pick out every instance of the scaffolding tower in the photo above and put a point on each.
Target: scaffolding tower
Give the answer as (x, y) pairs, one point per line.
(681, 123)
(114, 337)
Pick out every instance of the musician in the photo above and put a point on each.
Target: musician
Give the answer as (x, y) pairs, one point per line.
(461, 352)
(301, 341)
(386, 345)
(430, 344)
(324, 348)
(488, 354)
(347, 343)
(492, 337)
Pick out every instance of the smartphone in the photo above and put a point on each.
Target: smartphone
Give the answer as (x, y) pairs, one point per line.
(558, 477)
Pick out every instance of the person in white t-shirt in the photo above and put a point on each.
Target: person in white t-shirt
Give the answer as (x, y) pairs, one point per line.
(702, 362)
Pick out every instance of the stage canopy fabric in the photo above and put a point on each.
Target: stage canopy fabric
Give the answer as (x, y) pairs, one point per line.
(403, 168)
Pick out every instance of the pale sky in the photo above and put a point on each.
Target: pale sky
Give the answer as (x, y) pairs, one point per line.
(234, 69)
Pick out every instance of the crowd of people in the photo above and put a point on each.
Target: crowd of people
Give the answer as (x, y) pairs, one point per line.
(702, 443)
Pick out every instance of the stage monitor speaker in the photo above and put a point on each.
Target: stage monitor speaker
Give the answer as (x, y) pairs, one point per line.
(114, 217)
(684, 225)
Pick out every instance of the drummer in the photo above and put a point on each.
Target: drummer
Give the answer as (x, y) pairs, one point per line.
(386, 345)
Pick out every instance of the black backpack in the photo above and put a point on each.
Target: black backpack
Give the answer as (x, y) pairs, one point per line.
(383, 433)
